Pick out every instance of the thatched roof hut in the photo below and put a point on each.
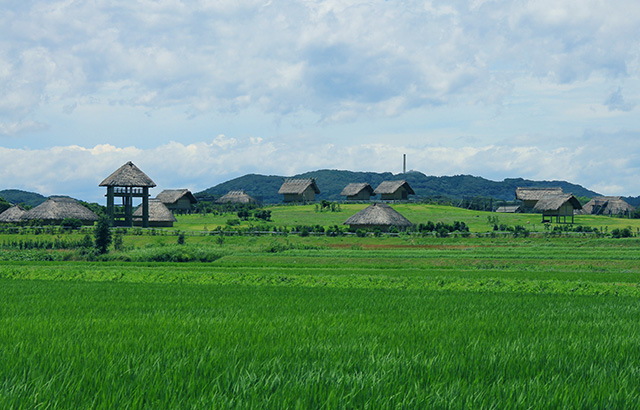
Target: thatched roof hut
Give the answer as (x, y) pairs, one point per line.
(394, 190)
(56, 209)
(358, 191)
(299, 190)
(607, 205)
(380, 216)
(177, 199)
(128, 175)
(12, 215)
(159, 215)
(530, 196)
(558, 206)
(236, 197)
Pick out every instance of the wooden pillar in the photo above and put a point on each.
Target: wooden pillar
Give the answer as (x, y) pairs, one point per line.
(110, 204)
(128, 207)
(145, 207)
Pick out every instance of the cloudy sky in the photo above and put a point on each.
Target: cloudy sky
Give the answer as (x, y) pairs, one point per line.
(198, 92)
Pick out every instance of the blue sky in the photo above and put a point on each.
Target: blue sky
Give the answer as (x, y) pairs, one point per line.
(199, 92)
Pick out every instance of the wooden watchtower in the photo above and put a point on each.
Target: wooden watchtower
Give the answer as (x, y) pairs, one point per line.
(127, 182)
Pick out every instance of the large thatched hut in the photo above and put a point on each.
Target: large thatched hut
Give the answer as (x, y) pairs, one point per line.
(530, 196)
(177, 200)
(558, 206)
(394, 190)
(607, 205)
(159, 215)
(56, 209)
(236, 197)
(299, 190)
(12, 215)
(128, 182)
(380, 216)
(358, 191)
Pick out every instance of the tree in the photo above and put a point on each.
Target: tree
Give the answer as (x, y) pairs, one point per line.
(102, 234)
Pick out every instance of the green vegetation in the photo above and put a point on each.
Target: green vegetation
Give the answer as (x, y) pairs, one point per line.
(186, 319)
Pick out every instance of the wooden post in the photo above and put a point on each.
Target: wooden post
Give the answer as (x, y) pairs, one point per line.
(110, 204)
(145, 207)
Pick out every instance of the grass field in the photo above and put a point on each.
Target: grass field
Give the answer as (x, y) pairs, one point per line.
(417, 213)
(324, 322)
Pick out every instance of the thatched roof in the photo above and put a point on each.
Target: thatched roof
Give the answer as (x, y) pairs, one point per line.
(236, 197)
(172, 196)
(298, 186)
(128, 175)
(605, 205)
(59, 208)
(535, 194)
(555, 202)
(158, 212)
(355, 188)
(508, 209)
(390, 187)
(12, 215)
(379, 214)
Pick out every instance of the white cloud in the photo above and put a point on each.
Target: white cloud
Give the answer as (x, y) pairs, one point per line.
(490, 87)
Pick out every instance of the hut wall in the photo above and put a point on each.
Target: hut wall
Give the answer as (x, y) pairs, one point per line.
(363, 195)
(292, 198)
(528, 205)
(308, 195)
(183, 204)
(399, 195)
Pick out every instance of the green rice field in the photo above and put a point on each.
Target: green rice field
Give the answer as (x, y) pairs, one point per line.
(279, 322)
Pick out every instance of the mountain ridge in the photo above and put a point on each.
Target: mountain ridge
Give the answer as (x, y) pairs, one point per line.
(331, 183)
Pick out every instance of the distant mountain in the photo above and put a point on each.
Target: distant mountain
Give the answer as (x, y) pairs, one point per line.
(331, 183)
(16, 196)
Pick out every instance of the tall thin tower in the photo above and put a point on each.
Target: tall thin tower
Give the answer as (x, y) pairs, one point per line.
(404, 163)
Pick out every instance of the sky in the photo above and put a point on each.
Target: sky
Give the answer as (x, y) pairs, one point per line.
(199, 92)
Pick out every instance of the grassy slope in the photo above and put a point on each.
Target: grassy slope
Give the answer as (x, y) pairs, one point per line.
(416, 213)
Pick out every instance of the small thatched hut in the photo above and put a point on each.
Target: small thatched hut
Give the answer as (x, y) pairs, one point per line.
(12, 215)
(128, 182)
(56, 209)
(394, 190)
(380, 216)
(159, 215)
(236, 197)
(558, 206)
(358, 191)
(299, 190)
(179, 200)
(607, 205)
(530, 196)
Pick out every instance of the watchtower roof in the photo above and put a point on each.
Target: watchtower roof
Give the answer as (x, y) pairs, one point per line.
(128, 175)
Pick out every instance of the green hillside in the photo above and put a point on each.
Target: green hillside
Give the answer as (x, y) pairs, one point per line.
(16, 196)
(331, 183)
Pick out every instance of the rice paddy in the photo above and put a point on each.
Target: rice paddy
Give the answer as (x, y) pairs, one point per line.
(324, 323)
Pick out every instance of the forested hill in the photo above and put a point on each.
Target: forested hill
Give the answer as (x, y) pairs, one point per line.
(331, 183)
(16, 196)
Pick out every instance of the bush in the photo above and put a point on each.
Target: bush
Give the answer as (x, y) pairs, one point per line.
(361, 233)
(71, 223)
(102, 234)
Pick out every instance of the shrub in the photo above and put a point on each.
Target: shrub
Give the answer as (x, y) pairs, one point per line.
(102, 234)
(71, 223)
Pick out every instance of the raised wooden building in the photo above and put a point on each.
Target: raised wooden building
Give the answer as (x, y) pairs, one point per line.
(358, 191)
(127, 182)
(299, 190)
(394, 190)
